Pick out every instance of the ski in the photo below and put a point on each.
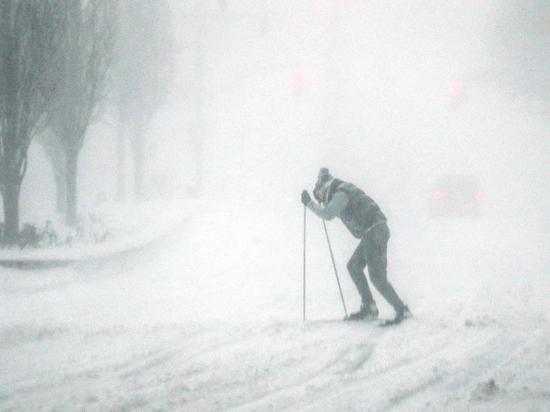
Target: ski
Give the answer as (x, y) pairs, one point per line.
(369, 320)
(393, 322)
(390, 322)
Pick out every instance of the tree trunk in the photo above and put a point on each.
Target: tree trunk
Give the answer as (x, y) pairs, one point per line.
(121, 162)
(10, 197)
(57, 160)
(60, 188)
(72, 178)
(56, 156)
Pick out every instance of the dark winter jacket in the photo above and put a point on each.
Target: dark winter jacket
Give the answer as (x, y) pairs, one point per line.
(361, 213)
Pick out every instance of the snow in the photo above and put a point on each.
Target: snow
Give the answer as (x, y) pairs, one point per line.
(209, 317)
(182, 326)
(129, 226)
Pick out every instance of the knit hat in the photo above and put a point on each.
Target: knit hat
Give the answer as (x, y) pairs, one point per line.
(323, 182)
(324, 174)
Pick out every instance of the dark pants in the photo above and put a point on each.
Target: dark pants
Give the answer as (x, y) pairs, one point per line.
(372, 252)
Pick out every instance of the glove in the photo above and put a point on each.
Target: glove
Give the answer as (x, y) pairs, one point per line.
(306, 198)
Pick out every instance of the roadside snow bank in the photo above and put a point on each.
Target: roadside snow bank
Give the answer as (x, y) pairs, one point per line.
(121, 226)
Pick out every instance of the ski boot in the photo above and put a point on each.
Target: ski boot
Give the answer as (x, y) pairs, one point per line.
(366, 312)
(400, 315)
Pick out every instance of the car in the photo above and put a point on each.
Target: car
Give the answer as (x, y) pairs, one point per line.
(456, 196)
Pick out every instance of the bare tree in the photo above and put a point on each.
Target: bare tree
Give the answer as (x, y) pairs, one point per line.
(143, 78)
(29, 39)
(83, 69)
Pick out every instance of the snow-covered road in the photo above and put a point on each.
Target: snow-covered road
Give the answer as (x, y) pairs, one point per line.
(212, 321)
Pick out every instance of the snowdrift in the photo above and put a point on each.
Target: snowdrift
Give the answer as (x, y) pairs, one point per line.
(130, 228)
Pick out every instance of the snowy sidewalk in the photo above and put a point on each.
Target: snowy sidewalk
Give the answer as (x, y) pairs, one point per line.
(130, 227)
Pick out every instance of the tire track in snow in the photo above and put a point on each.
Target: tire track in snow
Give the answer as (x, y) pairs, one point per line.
(129, 373)
(250, 403)
(319, 400)
(158, 358)
(346, 362)
(408, 393)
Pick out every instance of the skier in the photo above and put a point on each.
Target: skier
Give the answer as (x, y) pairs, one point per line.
(364, 219)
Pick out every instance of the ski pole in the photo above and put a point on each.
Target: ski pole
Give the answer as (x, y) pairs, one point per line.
(304, 285)
(335, 269)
